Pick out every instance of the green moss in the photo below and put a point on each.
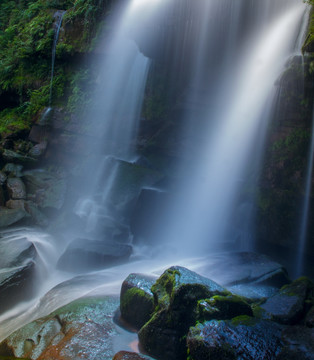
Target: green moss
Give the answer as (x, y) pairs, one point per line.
(243, 320)
(258, 311)
(163, 288)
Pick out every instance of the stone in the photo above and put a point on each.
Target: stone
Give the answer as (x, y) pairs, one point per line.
(136, 299)
(223, 307)
(18, 263)
(37, 216)
(38, 150)
(11, 216)
(247, 268)
(3, 177)
(83, 329)
(176, 294)
(16, 188)
(241, 338)
(45, 189)
(309, 319)
(13, 169)
(298, 343)
(84, 254)
(126, 355)
(288, 306)
(15, 204)
(2, 196)
(13, 156)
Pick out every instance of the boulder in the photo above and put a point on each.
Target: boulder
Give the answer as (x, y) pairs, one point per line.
(11, 216)
(16, 188)
(37, 216)
(18, 263)
(223, 307)
(45, 189)
(176, 294)
(83, 329)
(2, 196)
(240, 338)
(15, 157)
(83, 254)
(288, 305)
(298, 343)
(13, 170)
(38, 150)
(126, 355)
(136, 299)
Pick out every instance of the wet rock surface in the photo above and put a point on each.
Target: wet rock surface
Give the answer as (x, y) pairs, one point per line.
(84, 254)
(229, 340)
(136, 299)
(18, 271)
(81, 330)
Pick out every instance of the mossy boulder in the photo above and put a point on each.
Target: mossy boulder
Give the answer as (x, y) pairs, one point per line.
(244, 338)
(223, 307)
(12, 156)
(288, 306)
(136, 299)
(176, 294)
(81, 329)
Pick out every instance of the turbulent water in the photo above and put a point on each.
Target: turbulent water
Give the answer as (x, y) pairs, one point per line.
(239, 49)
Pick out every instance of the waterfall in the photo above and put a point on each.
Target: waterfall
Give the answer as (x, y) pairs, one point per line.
(58, 22)
(305, 208)
(239, 99)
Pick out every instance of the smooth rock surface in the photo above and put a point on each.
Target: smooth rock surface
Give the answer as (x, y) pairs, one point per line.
(84, 254)
(11, 216)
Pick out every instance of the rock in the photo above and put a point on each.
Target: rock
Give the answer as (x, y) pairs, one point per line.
(136, 299)
(45, 189)
(16, 188)
(242, 338)
(17, 277)
(38, 217)
(237, 268)
(298, 343)
(38, 150)
(176, 294)
(83, 329)
(13, 156)
(3, 177)
(13, 170)
(223, 307)
(83, 254)
(309, 320)
(2, 196)
(288, 306)
(15, 204)
(11, 216)
(146, 213)
(126, 355)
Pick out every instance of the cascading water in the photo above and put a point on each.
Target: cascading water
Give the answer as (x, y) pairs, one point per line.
(239, 53)
(236, 111)
(305, 208)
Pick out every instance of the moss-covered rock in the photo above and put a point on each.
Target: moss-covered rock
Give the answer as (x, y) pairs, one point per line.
(223, 307)
(136, 299)
(176, 294)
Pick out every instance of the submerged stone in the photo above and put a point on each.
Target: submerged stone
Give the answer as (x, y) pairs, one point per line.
(245, 339)
(136, 299)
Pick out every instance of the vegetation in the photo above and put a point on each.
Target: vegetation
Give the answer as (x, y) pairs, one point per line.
(26, 39)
